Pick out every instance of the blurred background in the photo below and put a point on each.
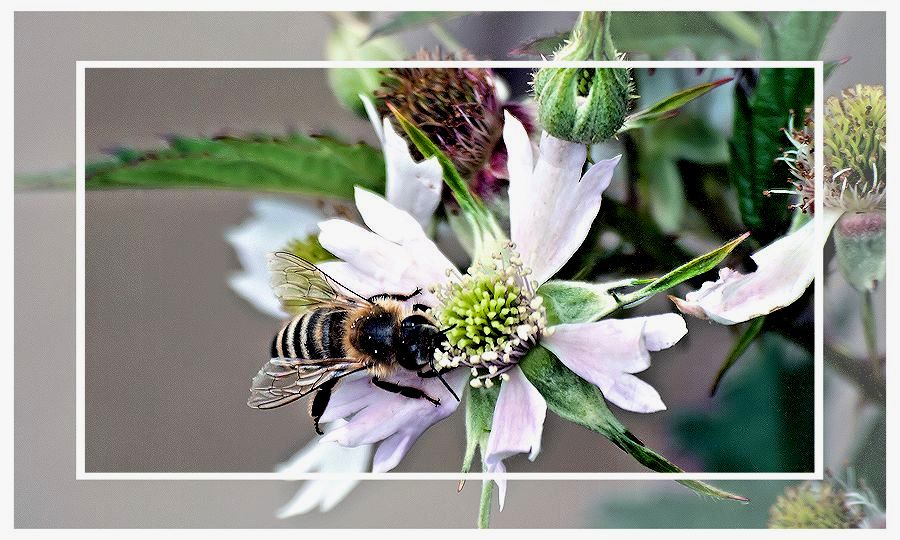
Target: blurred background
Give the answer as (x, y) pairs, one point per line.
(160, 317)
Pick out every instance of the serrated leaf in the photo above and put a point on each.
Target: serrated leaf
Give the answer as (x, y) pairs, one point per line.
(579, 401)
(298, 163)
(666, 106)
(797, 35)
(412, 19)
(578, 301)
(695, 267)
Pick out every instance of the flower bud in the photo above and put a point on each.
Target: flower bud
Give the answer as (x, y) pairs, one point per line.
(347, 42)
(812, 506)
(584, 105)
(458, 108)
(859, 242)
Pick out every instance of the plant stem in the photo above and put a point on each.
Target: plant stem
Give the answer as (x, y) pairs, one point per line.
(867, 376)
(484, 509)
(869, 327)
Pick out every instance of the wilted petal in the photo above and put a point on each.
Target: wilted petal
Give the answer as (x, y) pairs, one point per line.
(374, 415)
(784, 269)
(607, 352)
(415, 187)
(274, 223)
(320, 456)
(552, 205)
(518, 420)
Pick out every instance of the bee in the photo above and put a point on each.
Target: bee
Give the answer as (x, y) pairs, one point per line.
(334, 333)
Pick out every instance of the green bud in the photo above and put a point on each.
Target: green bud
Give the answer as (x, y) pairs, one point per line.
(346, 42)
(812, 506)
(581, 105)
(859, 241)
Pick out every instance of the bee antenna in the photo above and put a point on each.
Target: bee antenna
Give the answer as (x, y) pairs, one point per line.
(445, 330)
(445, 382)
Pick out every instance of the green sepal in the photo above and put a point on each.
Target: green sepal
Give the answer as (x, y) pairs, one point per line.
(296, 163)
(480, 403)
(579, 401)
(579, 301)
(743, 343)
(666, 107)
(695, 267)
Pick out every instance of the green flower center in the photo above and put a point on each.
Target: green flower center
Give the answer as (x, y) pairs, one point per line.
(494, 317)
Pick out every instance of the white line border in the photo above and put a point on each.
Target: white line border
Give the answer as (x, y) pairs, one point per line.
(81, 474)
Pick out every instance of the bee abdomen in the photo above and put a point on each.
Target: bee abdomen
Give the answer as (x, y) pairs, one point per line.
(314, 335)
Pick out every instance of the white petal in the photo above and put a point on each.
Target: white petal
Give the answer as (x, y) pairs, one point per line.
(414, 187)
(374, 415)
(552, 206)
(500, 481)
(518, 420)
(273, 224)
(784, 269)
(321, 456)
(607, 352)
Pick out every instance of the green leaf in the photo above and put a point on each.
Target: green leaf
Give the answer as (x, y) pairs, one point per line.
(579, 401)
(797, 35)
(695, 267)
(688, 139)
(579, 301)
(297, 163)
(760, 115)
(658, 33)
(761, 420)
(743, 343)
(412, 19)
(62, 179)
(669, 105)
(662, 189)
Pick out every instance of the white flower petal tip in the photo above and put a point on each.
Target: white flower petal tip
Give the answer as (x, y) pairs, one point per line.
(552, 205)
(415, 187)
(607, 353)
(784, 270)
(385, 219)
(518, 420)
(322, 456)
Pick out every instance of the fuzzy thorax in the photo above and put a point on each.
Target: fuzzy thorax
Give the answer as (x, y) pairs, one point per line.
(494, 317)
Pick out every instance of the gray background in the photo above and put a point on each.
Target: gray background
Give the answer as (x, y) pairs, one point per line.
(46, 494)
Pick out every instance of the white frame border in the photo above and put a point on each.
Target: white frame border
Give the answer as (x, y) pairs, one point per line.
(80, 159)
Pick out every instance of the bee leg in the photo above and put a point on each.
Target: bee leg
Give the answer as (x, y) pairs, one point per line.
(399, 297)
(320, 402)
(405, 391)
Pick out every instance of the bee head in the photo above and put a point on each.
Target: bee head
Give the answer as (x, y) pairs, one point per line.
(418, 338)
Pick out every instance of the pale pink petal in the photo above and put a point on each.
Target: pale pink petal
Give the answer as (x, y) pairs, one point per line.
(374, 415)
(784, 270)
(518, 420)
(607, 352)
(552, 206)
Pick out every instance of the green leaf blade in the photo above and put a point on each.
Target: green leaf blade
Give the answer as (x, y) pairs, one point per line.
(301, 164)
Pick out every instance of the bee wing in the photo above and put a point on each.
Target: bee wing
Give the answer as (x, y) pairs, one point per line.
(301, 286)
(283, 380)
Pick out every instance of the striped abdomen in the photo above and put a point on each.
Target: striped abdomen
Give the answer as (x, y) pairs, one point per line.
(314, 335)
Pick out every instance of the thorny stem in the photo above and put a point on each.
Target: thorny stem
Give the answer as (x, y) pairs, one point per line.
(484, 510)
